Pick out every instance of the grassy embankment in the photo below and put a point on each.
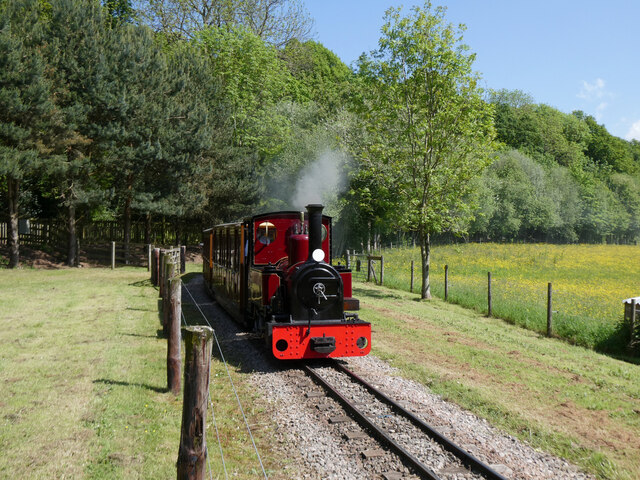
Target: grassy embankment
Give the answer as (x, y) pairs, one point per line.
(83, 375)
(589, 284)
(563, 399)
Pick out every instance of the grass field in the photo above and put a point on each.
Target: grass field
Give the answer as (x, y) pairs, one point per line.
(589, 284)
(563, 399)
(83, 375)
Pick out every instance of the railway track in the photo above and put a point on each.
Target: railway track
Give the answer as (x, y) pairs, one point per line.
(421, 448)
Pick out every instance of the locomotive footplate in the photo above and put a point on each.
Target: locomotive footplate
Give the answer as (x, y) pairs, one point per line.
(320, 340)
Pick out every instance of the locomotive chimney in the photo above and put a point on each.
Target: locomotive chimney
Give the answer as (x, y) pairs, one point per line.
(315, 228)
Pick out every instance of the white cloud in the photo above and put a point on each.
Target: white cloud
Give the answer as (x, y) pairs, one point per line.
(600, 109)
(634, 132)
(593, 91)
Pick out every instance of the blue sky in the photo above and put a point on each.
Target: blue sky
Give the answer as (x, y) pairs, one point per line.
(569, 54)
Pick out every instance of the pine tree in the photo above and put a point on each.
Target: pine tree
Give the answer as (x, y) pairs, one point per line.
(26, 109)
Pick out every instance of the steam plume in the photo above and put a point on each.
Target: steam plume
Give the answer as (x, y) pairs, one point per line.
(322, 181)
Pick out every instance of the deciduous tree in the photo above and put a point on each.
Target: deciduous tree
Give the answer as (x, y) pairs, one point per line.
(433, 131)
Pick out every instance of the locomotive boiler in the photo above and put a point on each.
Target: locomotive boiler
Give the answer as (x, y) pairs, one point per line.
(273, 273)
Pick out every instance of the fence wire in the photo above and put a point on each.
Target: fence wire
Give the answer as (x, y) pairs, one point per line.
(244, 417)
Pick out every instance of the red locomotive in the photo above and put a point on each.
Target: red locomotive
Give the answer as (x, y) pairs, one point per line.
(273, 273)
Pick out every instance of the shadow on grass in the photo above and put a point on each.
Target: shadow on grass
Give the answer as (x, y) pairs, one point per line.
(375, 293)
(140, 309)
(615, 345)
(138, 335)
(142, 283)
(106, 381)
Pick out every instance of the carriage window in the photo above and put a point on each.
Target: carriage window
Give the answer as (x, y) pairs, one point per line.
(266, 233)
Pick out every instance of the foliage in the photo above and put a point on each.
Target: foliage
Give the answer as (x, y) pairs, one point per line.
(252, 81)
(321, 76)
(274, 21)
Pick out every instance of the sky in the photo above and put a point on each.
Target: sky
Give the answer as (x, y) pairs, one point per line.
(569, 54)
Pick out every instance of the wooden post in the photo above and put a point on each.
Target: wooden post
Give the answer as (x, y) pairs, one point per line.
(161, 276)
(192, 455)
(549, 310)
(348, 259)
(489, 306)
(446, 283)
(411, 288)
(368, 268)
(149, 257)
(381, 269)
(183, 258)
(155, 264)
(169, 271)
(173, 344)
(113, 255)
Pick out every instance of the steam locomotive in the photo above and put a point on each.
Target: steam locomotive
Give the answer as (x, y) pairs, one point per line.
(273, 273)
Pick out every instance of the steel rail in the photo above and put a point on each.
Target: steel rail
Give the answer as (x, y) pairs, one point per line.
(379, 433)
(465, 457)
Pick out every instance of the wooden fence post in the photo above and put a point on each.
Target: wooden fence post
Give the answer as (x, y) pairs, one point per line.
(489, 306)
(113, 255)
(169, 271)
(173, 344)
(446, 283)
(149, 257)
(368, 268)
(549, 310)
(155, 262)
(381, 269)
(161, 275)
(634, 334)
(348, 259)
(192, 455)
(183, 258)
(411, 288)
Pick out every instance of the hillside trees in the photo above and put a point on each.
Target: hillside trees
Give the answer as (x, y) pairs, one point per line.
(430, 128)
(574, 152)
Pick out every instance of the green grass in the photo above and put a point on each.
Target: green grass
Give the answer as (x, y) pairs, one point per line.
(589, 284)
(83, 371)
(563, 399)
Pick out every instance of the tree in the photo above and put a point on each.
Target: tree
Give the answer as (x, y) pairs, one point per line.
(26, 110)
(321, 76)
(128, 116)
(435, 132)
(252, 81)
(274, 21)
(75, 42)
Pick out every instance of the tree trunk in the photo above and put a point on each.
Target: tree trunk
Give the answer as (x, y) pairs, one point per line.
(127, 229)
(14, 246)
(72, 252)
(425, 252)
